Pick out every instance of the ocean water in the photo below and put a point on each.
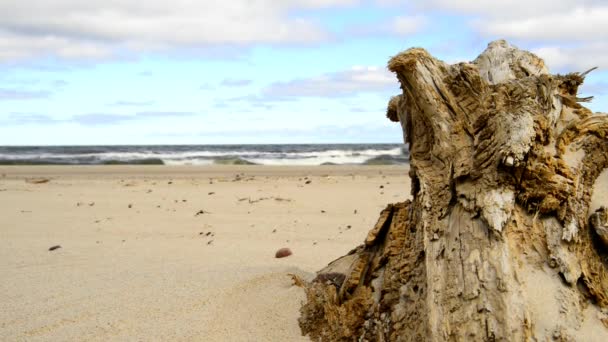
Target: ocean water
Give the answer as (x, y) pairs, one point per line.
(310, 154)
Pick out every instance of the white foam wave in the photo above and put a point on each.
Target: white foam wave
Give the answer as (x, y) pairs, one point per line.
(336, 156)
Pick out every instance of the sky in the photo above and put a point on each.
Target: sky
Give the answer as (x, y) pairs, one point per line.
(105, 72)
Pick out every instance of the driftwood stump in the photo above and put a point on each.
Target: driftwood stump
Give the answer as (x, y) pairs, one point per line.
(497, 242)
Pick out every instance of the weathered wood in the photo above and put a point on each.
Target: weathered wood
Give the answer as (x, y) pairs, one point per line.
(497, 243)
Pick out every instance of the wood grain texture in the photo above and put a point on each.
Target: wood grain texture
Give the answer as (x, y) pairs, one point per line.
(504, 160)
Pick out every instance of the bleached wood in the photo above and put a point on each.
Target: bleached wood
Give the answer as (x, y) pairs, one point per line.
(496, 243)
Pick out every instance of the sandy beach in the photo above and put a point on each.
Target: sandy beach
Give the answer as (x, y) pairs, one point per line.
(175, 253)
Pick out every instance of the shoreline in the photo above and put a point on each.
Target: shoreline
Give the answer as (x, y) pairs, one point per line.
(195, 171)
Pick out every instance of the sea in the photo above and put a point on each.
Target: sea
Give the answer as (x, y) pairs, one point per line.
(301, 154)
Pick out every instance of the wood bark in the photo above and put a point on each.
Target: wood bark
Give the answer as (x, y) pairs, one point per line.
(498, 242)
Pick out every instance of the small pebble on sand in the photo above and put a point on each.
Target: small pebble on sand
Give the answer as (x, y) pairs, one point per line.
(282, 253)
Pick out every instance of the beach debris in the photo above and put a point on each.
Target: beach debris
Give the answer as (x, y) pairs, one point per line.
(322, 211)
(297, 281)
(130, 206)
(210, 242)
(201, 212)
(211, 193)
(492, 153)
(274, 230)
(283, 252)
(52, 248)
(169, 182)
(37, 180)
(91, 204)
(355, 212)
(308, 182)
(252, 201)
(349, 226)
(281, 199)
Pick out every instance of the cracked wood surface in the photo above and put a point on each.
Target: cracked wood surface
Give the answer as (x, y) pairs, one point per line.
(497, 243)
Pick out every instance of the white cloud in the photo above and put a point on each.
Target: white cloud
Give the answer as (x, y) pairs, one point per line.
(569, 34)
(235, 82)
(20, 94)
(577, 58)
(338, 84)
(501, 9)
(578, 24)
(97, 29)
(94, 119)
(408, 25)
(398, 25)
(529, 19)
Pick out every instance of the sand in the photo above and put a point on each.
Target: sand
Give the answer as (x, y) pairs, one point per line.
(137, 263)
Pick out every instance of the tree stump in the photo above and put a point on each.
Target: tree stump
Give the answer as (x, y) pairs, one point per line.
(497, 242)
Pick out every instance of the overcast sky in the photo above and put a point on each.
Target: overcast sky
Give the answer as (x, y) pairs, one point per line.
(76, 72)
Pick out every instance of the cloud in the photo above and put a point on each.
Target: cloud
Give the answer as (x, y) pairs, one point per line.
(18, 94)
(575, 58)
(95, 119)
(90, 119)
(233, 82)
(30, 119)
(100, 29)
(338, 84)
(576, 24)
(408, 25)
(569, 34)
(580, 20)
(512, 8)
(162, 114)
(398, 26)
(255, 101)
(60, 83)
(132, 103)
(360, 110)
